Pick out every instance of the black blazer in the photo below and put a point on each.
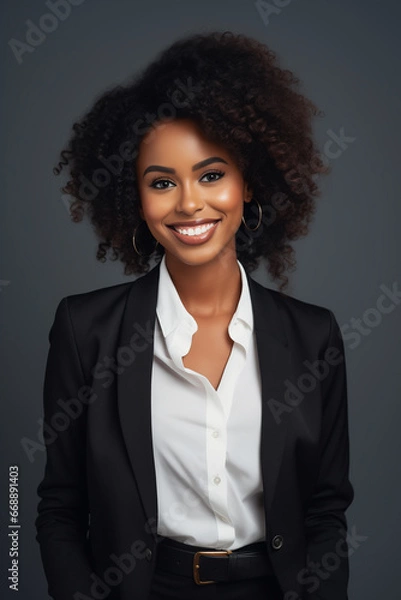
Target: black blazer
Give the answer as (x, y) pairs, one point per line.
(97, 516)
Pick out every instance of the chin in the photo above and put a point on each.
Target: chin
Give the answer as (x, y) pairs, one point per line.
(196, 257)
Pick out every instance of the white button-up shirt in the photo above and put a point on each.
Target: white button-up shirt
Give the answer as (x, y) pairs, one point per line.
(206, 442)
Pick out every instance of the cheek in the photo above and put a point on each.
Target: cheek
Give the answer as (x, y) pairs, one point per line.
(230, 197)
(151, 209)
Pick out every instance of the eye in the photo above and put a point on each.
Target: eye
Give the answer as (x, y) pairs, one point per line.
(163, 184)
(217, 173)
(155, 184)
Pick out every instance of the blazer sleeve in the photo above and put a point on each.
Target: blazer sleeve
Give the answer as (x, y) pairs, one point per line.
(325, 521)
(62, 519)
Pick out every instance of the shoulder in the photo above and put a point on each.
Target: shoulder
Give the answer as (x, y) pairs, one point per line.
(298, 308)
(291, 305)
(298, 318)
(101, 308)
(97, 301)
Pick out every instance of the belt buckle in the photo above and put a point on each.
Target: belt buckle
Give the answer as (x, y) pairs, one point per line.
(196, 565)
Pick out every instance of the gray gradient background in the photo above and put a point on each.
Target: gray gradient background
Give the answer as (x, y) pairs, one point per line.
(347, 55)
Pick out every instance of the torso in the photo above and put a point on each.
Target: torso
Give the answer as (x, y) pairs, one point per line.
(210, 349)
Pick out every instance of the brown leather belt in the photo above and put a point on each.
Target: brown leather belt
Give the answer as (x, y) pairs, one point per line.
(206, 565)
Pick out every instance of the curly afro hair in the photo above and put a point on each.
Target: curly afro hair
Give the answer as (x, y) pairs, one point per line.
(232, 86)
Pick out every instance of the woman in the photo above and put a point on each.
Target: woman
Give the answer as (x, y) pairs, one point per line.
(195, 420)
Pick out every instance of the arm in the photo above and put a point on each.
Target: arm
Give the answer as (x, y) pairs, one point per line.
(62, 518)
(325, 521)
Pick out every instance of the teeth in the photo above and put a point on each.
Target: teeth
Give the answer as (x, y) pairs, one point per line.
(195, 230)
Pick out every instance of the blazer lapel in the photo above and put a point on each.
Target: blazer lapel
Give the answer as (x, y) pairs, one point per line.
(275, 367)
(134, 383)
(134, 386)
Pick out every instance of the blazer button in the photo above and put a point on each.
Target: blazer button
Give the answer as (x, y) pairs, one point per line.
(277, 542)
(148, 554)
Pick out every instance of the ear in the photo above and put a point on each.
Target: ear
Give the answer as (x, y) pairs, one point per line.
(247, 193)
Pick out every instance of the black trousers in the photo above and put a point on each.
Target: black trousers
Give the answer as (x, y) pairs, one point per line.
(169, 586)
(166, 586)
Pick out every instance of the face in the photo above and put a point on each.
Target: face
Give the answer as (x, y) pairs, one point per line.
(191, 193)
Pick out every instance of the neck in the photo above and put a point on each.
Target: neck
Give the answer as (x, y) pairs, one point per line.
(207, 290)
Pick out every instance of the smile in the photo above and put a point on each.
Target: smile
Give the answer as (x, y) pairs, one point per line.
(194, 235)
(195, 230)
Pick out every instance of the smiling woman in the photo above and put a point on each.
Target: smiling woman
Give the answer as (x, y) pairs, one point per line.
(195, 212)
(181, 478)
(232, 88)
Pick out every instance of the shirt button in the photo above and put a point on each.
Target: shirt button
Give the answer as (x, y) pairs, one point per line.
(215, 433)
(277, 542)
(217, 480)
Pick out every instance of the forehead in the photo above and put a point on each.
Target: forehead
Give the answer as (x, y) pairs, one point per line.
(181, 138)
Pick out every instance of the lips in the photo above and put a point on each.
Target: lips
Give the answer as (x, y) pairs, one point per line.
(201, 233)
(194, 230)
(191, 224)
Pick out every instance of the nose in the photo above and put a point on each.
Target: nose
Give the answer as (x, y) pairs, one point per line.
(189, 200)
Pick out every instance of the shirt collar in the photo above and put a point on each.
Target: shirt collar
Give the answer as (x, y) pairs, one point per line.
(171, 311)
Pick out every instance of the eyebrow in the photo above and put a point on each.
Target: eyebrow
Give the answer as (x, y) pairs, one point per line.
(199, 165)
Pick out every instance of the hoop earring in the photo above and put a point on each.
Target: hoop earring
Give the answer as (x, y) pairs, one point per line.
(135, 246)
(259, 220)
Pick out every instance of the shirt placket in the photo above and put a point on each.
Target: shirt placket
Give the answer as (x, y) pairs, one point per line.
(218, 407)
